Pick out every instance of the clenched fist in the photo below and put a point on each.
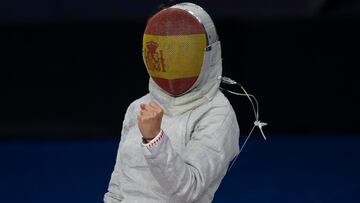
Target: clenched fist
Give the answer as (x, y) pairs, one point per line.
(149, 120)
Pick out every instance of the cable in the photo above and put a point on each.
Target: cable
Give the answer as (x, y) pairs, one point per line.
(257, 122)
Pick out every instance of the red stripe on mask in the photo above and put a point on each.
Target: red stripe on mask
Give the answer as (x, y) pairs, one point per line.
(173, 21)
(175, 86)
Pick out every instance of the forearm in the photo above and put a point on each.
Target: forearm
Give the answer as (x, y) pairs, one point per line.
(178, 178)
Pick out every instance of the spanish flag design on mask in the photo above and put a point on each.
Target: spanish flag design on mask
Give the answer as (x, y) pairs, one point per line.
(173, 44)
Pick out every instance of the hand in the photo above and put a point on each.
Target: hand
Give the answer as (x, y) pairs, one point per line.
(149, 120)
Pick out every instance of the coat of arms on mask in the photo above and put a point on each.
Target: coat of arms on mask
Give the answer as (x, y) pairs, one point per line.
(154, 58)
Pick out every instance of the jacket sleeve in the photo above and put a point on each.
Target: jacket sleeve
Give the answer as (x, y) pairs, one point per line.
(213, 144)
(114, 188)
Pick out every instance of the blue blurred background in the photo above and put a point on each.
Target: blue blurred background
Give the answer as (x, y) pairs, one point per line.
(69, 69)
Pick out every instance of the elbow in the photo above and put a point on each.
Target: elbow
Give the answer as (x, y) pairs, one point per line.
(191, 190)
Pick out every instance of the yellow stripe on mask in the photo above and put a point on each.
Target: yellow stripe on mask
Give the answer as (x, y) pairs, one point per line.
(174, 57)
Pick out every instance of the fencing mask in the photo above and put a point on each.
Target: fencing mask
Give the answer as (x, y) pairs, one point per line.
(174, 45)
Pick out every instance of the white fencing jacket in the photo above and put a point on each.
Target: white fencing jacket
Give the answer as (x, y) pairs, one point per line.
(187, 161)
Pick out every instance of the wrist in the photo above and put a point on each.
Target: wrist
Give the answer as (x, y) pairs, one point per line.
(151, 135)
(147, 140)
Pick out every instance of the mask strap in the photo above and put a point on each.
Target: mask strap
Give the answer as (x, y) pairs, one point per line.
(257, 122)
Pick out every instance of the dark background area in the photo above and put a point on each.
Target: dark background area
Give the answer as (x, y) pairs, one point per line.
(69, 69)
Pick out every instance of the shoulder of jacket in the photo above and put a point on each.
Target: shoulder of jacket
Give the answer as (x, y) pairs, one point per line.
(219, 106)
(218, 103)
